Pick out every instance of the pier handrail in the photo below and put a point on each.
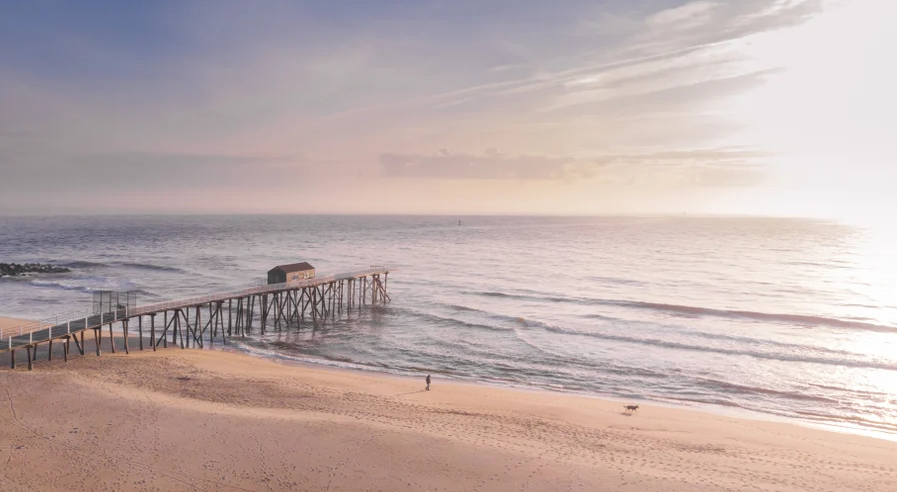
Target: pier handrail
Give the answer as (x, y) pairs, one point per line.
(262, 289)
(40, 324)
(33, 326)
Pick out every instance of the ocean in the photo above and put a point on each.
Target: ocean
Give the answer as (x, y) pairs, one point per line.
(790, 318)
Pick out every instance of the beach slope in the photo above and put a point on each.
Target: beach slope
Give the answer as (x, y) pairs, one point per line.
(213, 420)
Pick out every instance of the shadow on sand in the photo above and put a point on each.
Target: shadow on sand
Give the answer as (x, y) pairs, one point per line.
(411, 392)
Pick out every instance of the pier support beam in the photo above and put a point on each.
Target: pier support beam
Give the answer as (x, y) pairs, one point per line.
(212, 325)
(196, 328)
(180, 330)
(79, 345)
(250, 302)
(264, 312)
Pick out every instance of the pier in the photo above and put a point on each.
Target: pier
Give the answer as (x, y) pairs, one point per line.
(193, 322)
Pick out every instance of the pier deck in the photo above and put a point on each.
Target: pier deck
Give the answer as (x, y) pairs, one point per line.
(229, 314)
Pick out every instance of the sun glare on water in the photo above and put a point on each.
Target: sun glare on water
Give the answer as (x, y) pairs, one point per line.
(828, 112)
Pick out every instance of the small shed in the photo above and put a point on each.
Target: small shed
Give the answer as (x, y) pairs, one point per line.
(290, 273)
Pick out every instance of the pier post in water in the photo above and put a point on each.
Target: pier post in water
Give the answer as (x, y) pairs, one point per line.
(264, 312)
(111, 339)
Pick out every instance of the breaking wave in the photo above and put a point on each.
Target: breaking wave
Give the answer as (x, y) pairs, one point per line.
(719, 350)
(83, 264)
(148, 266)
(60, 286)
(694, 311)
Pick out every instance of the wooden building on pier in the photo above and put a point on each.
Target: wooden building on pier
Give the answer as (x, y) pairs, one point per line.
(290, 273)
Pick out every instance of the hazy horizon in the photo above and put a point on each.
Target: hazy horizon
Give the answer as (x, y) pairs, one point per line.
(683, 215)
(648, 107)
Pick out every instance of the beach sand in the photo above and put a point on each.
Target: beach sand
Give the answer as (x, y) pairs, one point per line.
(12, 322)
(214, 420)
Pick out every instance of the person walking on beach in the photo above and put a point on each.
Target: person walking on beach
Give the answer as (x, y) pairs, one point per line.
(428, 382)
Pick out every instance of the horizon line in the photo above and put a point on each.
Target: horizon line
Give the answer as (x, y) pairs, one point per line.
(435, 214)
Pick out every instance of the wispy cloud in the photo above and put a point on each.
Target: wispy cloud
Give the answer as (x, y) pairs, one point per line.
(491, 165)
(694, 35)
(688, 16)
(715, 167)
(212, 95)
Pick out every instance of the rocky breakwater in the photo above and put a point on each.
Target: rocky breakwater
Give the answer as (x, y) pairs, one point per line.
(25, 269)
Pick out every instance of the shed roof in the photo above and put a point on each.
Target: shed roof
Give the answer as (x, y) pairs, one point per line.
(294, 267)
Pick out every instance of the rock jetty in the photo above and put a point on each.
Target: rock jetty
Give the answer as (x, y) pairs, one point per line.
(17, 270)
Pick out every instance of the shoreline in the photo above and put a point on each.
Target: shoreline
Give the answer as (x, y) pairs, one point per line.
(324, 364)
(185, 419)
(708, 408)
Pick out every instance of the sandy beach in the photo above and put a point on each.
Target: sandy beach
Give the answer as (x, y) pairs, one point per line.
(11, 322)
(214, 420)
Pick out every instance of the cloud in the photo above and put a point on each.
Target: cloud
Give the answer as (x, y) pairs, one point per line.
(702, 168)
(491, 165)
(719, 167)
(730, 177)
(239, 96)
(733, 23)
(692, 14)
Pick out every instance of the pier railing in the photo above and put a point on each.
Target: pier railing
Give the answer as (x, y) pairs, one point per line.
(261, 289)
(44, 323)
(64, 322)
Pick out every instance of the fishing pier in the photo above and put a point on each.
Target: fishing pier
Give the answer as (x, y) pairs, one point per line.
(193, 322)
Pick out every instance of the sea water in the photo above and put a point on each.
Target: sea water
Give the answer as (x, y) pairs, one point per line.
(789, 317)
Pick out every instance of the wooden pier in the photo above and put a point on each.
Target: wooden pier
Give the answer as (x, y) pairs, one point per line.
(193, 322)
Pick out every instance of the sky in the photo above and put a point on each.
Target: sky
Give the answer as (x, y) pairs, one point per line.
(573, 107)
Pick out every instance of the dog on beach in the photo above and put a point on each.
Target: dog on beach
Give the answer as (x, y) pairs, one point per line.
(631, 408)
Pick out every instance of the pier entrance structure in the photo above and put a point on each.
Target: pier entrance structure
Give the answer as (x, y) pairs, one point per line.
(193, 322)
(107, 301)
